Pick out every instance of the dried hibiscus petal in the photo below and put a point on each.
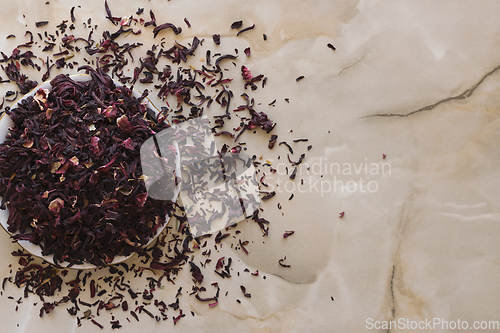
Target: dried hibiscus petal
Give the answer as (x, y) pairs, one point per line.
(280, 262)
(177, 30)
(272, 141)
(216, 38)
(246, 29)
(236, 25)
(269, 195)
(41, 23)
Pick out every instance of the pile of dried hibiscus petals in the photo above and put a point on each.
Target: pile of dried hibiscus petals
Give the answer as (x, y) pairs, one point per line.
(189, 87)
(72, 177)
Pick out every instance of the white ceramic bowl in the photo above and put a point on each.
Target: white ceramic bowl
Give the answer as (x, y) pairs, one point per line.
(6, 123)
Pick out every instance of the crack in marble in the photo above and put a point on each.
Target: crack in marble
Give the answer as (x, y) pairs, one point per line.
(402, 226)
(391, 287)
(392, 292)
(464, 95)
(289, 281)
(393, 310)
(350, 66)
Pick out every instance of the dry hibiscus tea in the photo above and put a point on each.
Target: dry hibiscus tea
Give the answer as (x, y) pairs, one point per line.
(71, 175)
(74, 183)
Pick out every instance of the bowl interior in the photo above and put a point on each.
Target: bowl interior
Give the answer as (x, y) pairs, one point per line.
(6, 123)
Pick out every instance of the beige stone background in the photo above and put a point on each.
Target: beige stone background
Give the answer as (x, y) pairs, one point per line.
(417, 81)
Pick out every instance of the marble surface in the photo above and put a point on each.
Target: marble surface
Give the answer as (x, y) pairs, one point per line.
(416, 81)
